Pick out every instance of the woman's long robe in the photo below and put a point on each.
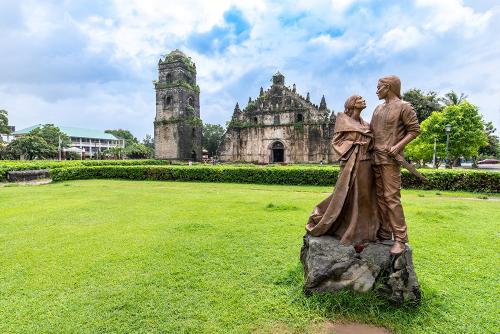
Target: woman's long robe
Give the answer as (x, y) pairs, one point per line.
(350, 212)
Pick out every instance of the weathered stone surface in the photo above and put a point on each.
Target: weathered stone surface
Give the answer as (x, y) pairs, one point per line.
(279, 125)
(27, 175)
(401, 285)
(177, 125)
(330, 266)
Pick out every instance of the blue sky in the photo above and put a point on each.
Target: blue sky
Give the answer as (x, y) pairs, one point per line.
(91, 63)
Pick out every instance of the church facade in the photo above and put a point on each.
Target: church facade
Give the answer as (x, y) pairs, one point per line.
(279, 126)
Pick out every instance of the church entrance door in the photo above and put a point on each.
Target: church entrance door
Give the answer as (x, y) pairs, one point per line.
(278, 152)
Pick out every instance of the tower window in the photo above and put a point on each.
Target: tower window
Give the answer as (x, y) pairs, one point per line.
(193, 132)
(168, 100)
(300, 118)
(191, 101)
(255, 120)
(168, 78)
(276, 119)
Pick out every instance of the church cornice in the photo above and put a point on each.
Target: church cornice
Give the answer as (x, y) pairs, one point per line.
(238, 125)
(271, 112)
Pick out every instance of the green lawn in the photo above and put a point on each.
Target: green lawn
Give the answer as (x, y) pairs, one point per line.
(105, 256)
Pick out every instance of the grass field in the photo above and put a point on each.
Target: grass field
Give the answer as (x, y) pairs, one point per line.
(104, 256)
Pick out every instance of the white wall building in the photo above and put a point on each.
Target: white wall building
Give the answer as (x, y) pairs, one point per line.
(92, 142)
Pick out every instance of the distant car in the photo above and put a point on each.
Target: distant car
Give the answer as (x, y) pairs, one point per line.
(488, 161)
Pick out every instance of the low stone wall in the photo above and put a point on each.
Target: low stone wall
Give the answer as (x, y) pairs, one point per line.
(27, 175)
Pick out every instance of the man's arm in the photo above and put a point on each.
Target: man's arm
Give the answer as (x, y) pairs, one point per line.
(410, 121)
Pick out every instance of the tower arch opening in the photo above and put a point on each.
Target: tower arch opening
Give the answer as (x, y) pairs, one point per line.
(168, 78)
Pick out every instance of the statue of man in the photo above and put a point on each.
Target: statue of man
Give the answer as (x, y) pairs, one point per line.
(394, 124)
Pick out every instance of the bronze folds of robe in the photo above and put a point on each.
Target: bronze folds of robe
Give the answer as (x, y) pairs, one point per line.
(350, 212)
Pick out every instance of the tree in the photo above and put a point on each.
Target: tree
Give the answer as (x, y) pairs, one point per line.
(148, 142)
(212, 137)
(451, 98)
(137, 151)
(31, 147)
(493, 147)
(124, 134)
(52, 134)
(5, 152)
(466, 137)
(113, 152)
(424, 104)
(4, 122)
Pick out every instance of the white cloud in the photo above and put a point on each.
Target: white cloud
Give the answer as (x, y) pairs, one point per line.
(398, 39)
(325, 46)
(103, 108)
(39, 19)
(141, 29)
(334, 46)
(445, 15)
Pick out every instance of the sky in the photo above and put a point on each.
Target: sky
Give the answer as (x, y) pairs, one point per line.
(91, 63)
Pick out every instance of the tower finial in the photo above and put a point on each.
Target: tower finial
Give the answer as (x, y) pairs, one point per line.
(278, 79)
(308, 99)
(322, 104)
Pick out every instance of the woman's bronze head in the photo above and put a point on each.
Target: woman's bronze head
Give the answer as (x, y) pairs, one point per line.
(354, 102)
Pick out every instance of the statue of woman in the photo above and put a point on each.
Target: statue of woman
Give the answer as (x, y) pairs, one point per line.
(350, 212)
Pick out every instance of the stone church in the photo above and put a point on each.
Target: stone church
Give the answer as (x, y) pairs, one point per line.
(177, 125)
(280, 125)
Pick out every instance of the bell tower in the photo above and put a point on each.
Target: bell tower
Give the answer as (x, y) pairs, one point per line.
(177, 124)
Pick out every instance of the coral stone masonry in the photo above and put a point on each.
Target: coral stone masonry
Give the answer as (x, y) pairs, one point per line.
(177, 124)
(280, 125)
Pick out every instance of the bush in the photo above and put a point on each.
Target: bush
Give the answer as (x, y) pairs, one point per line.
(262, 175)
(475, 181)
(12, 165)
(458, 179)
(325, 175)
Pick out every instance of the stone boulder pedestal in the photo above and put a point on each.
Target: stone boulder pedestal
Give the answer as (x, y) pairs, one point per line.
(330, 267)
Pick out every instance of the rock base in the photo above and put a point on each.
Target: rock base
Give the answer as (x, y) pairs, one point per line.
(330, 266)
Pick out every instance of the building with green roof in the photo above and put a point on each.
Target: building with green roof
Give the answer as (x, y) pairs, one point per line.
(91, 142)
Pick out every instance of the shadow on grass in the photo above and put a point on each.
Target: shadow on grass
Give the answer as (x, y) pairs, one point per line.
(281, 207)
(363, 307)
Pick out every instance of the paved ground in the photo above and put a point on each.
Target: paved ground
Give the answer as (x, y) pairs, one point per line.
(489, 167)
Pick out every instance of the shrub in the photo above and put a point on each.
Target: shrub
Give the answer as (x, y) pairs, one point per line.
(475, 181)
(262, 175)
(12, 165)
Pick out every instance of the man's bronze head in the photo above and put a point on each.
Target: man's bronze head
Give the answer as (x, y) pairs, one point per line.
(388, 83)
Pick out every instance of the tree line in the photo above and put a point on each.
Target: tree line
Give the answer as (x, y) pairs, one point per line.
(46, 141)
(471, 137)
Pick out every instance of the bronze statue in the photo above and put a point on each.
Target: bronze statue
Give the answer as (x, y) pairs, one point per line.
(394, 124)
(350, 212)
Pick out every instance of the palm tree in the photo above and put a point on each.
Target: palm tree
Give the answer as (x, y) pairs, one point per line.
(452, 98)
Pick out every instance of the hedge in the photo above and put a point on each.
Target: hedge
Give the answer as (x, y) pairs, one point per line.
(13, 165)
(463, 180)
